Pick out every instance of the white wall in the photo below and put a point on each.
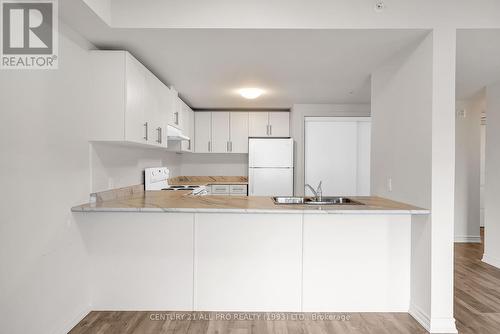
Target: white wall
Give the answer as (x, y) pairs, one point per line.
(467, 172)
(48, 166)
(45, 171)
(297, 115)
(114, 166)
(413, 161)
(200, 164)
(492, 185)
(101, 8)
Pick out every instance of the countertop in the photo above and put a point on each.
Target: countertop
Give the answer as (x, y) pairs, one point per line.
(182, 201)
(207, 180)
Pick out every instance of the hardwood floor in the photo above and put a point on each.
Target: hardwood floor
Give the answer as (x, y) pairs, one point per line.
(477, 311)
(477, 291)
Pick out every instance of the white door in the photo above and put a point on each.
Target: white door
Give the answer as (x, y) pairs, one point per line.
(270, 181)
(239, 132)
(258, 124)
(279, 124)
(267, 152)
(136, 127)
(220, 132)
(202, 131)
(337, 152)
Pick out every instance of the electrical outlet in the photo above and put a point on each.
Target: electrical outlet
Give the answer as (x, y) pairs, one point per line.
(389, 184)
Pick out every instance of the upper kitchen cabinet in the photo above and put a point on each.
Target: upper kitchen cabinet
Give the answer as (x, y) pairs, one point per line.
(269, 124)
(238, 132)
(221, 132)
(177, 109)
(128, 102)
(202, 132)
(187, 120)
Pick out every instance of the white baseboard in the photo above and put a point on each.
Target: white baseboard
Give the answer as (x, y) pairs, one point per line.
(434, 325)
(476, 239)
(72, 322)
(491, 260)
(421, 317)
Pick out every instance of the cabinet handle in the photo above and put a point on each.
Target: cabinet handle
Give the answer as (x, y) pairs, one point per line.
(267, 130)
(189, 144)
(270, 130)
(209, 146)
(227, 146)
(146, 128)
(230, 146)
(159, 135)
(176, 118)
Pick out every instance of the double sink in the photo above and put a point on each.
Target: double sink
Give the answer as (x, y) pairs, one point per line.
(324, 200)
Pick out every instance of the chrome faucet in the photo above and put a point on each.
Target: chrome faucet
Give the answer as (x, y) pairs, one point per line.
(318, 193)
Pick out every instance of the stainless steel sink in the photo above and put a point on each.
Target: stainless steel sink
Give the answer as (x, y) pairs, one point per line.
(332, 201)
(288, 200)
(325, 200)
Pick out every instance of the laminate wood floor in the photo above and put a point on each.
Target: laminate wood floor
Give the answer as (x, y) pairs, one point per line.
(477, 311)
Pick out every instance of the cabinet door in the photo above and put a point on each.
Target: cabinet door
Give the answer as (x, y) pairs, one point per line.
(202, 131)
(152, 108)
(175, 121)
(238, 142)
(136, 126)
(220, 132)
(279, 124)
(188, 124)
(258, 124)
(165, 110)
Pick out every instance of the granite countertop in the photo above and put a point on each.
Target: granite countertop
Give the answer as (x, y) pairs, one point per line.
(207, 180)
(182, 201)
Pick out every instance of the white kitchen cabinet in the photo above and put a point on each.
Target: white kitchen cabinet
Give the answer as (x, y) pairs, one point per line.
(279, 124)
(176, 116)
(188, 125)
(258, 125)
(238, 189)
(128, 102)
(220, 132)
(202, 132)
(269, 124)
(263, 271)
(220, 189)
(238, 136)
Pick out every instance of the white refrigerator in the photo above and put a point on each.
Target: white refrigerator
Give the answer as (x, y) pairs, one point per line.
(270, 167)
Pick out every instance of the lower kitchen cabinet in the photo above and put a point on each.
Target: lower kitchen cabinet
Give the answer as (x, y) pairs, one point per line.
(247, 262)
(229, 189)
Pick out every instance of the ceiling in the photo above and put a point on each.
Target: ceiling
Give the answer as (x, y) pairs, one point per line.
(207, 66)
(478, 60)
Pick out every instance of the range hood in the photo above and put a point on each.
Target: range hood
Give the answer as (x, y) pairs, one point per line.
(175, 134)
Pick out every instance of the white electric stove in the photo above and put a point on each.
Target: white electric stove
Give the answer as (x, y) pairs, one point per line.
(156, 178)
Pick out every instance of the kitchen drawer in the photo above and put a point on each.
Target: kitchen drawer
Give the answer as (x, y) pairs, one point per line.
(220, 189)
(238, 189)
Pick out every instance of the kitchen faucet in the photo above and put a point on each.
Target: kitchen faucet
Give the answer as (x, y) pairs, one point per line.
(318, 193)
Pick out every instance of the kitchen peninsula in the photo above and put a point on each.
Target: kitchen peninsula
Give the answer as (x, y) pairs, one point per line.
(163, 250)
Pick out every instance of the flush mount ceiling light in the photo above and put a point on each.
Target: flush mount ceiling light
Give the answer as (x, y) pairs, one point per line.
(250, 93)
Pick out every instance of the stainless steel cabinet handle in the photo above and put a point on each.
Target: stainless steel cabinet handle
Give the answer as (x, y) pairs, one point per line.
(270, 130)
(189, 144)
(146, 128)
(227, 146)
(231, 146)
(158, 140)
(209, 146)
(176, 117)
